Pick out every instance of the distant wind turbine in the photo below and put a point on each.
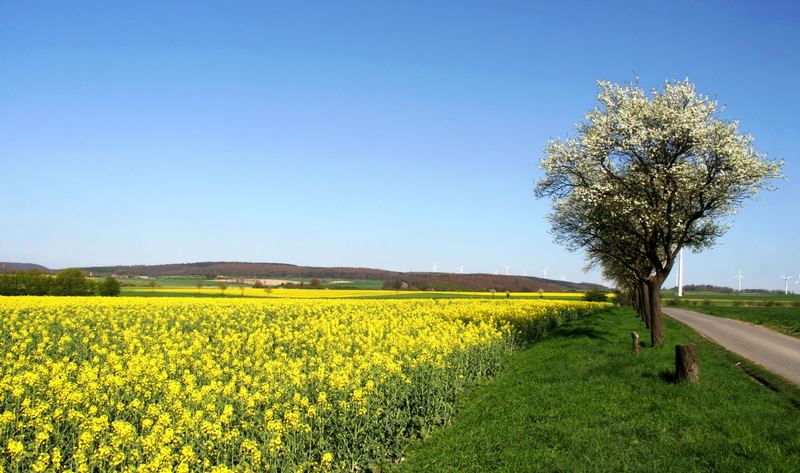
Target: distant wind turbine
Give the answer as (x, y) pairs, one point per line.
(524, 273)
(680, 275)
(786, 283)
(461, 269)
(435, 266)
(739, 277)
(563, 278)
(496, 271)
(544, 271)
(507, 268)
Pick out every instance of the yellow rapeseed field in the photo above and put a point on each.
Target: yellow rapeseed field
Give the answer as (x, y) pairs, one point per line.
(187, 384)
(296, 293)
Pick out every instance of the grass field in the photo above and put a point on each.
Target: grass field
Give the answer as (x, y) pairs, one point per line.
(742, 298)
(782, 319)
(192, 282)
(778, 311)
(578, 401)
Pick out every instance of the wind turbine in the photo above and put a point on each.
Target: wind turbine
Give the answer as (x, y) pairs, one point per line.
(435, 266)
(786, 283)
(507, 268)
(680, 275)
(524, 273)
(739, 277)
(544, 271)
(461, 269)
(496, 271)
(563, 277)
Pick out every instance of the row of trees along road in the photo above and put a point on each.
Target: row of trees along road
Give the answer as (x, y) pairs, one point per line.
(644, 176)
(68, 282)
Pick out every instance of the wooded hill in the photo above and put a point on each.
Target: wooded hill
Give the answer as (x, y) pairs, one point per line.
(7, 267)
(437, 281)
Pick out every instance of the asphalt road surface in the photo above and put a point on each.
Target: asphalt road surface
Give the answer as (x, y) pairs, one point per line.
(774, 351)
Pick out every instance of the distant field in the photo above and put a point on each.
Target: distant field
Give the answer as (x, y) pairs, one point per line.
(211, 290)
(783, 319)
(173, 282)
(192, 282)
(744, 297)
(780, 312)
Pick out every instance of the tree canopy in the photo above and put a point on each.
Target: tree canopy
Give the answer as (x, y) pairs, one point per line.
(647, 175)
(71, 282)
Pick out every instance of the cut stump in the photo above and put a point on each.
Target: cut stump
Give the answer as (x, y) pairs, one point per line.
(687, 367)
(636, 343)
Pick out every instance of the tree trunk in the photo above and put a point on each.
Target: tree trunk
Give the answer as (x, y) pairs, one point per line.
(657, 336)
(686, 363)
(636, 344)
(645, 304)
(635, 300)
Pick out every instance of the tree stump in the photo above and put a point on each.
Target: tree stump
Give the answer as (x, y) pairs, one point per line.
(636, 343)
(686, 363)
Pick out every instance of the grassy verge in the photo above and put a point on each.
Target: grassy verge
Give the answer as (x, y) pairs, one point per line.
(578, 401)
(782, 319)
(743, 297)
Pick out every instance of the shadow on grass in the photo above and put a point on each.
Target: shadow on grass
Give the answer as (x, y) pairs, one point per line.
(588, 332)
(666, 376)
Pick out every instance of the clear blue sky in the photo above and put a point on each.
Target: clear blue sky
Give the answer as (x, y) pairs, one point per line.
(377, 134)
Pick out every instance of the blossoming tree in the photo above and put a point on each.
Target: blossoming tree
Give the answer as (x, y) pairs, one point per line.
(648, 174)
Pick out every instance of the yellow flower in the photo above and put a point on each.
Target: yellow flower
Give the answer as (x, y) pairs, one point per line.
(15, 449)
(187, 453)
(41, 463)
(55, 458)
(6, 418)
(141, 377)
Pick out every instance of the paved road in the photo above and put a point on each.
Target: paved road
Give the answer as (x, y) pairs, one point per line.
(774, 351)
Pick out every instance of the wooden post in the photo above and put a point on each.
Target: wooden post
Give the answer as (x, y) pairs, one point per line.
(636, 344)
(686, 363)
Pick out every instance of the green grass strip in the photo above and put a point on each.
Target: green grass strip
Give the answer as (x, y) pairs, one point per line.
(578, 401)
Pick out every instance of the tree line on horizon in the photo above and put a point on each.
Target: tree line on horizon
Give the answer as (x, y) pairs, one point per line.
(68, 282)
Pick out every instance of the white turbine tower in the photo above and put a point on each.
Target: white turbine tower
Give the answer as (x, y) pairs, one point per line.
(524, 273)
(786, 283)
(496, 271)
(507, 268)
(676, 279)
(563, 277)
(544, 271)
(461, 269)
(739, 277)
(680, 275)
(435, 266)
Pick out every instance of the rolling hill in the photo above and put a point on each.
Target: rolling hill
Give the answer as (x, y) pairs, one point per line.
(425, 280)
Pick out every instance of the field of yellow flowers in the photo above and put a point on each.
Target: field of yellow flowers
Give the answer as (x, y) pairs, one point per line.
(182, 384)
